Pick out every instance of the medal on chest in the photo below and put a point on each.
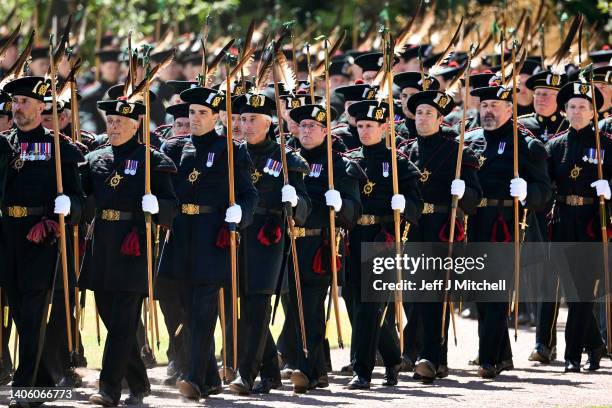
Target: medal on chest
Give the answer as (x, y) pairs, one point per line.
(115, 180)
(210, 159)
(315, 170)
(193, 176)
(385, 169)
(368, 188)
(255, 176)
(501, 147)
(591, 156)
(273, 167)
(424, 175)
(130, 167)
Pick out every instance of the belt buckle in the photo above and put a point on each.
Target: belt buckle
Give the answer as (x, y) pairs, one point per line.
(190, 209)
(483, 202)
(428, 208)
(575, 200)
(17, 211)
(111, 215)
(367, 219)
(299, 232)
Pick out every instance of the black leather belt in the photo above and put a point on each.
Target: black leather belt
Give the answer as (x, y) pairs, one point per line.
(17, 211)
(301, 232)
(575, 200)
(492, 202)
(115, 215)
(429, 208)
(194, 209)
(368, 219)
(266, 211)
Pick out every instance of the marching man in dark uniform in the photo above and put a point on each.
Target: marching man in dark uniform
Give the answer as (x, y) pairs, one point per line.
(378, 206)
(573, 168)
(493, 143)
(115, 265)
(264, 238)
(197, 253)
(30, 231)
(434, 152)
(313, 243)
(544, 123)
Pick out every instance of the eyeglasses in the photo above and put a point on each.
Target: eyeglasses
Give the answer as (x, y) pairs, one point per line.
(310, 126)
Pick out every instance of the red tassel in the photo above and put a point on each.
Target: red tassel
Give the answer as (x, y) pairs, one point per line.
(384, 236)
(44, 231)
(269, 233)
(223, 239)
(322, 259)
(506, 232)
(591, 232)
(82, 247)
(459, 232)
(131, 245)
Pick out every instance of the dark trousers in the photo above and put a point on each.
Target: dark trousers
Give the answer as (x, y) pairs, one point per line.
(173, 313)
(6, 364)
(546, 324)
(29, 311)
(348, 296)
(368, 335)
(430, 314)
(269, 363)
(581, 330)
(120, 313)
(286, 344)
(413, 331)
(229, 330)
(494, 340)
(253, 329)
(201, 303)
(313, 302)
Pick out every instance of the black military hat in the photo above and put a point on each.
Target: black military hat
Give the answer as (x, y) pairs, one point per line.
(546, 79)
(603, 55)
(357, 92)
(492, 60)
(237, 86)
(116, 91)
(40, 53)
(449, 71)
(369, 110)
(180, 110)
(109, 55)
(121, 107)
(159, 56)
(301, 99)
(180, 86)
(412, 51)
(6, 104)
(372, 61)
(315, 112)
(416, 80)
(600, 74)
(531, 66)
(193, 59)
(479, 80)
(31, 86)
(199, 95)
(578, 89)
(340, 66)
(495, 92)
(255, 103)
(49, 105)
(441, 101)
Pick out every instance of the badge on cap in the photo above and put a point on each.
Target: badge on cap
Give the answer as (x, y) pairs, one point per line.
(255, 101)
(442, 100)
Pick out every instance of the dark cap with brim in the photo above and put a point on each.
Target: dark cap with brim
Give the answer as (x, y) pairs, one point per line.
(180, 110)
(123, 108)
(578, 90)
(313, 112)
(369, 110)
(31, 86)
(441, 101)
(208, 97)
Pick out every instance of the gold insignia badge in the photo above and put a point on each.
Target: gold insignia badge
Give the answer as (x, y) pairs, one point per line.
(371, 94)
(125, 110)
(18, 164)
(584, 89)
(256, 101)
(504, 95)
(575, 172)
(193, 176)
(425, 176)
(426, 84)
(320, 116)
(443, 101)
(41, 88)
(115, 180)
(481, 160)
(215, 102)
(255, 176)
(378, 114)
(8, 106)
(368, 188)
(295, 103)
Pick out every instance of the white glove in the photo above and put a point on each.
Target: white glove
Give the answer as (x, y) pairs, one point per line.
(602, 187)
(333, 199)
(518, 188)
(233, 214)
(398, 202)
(288, 195)
(150, 204)
(62, 205)
(458, 188)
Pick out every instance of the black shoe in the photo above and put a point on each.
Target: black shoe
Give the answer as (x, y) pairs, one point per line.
(541, 354)
(323, 381)
(189, 390)
(424, 371)
(300, 381)
(593, 359)
(148, 358)
(267, 384)
(213, 390)
(71, 380)
(286, 372)
(172, 379)
(240, 386)
(572, 366)
(358, 383)
(406, 365)
(487, 371)
(505, 365)
(134, 398)
(391, 374)
(442, 371)
(80, 360)
(347, 369)
(103, 399)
